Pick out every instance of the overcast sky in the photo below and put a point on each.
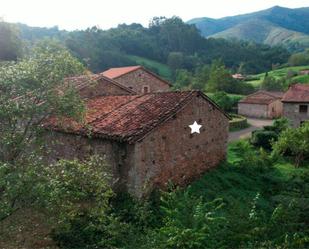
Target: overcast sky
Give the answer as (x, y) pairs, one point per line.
(76, 14)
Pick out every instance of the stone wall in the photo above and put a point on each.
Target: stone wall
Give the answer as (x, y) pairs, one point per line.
(275, 109)
(139, 79)
(169, 153)
(291, 111)
(102, 87)
(69, 146)
(253, 110)
(172, 153)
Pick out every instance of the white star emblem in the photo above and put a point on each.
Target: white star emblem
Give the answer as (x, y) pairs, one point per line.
(195, 127)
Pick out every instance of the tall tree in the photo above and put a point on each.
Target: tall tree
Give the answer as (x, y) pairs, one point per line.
(10, 43)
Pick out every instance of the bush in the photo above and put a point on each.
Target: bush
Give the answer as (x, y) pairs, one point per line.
(263, 138)
(78, 199)
(294, 142)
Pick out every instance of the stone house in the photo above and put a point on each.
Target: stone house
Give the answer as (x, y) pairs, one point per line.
(138, 79)
(94, 85)
(296, 104)
(146, 139)
(261, 104)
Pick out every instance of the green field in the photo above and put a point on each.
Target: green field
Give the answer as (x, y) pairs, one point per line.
(162, 69)
(280, 73)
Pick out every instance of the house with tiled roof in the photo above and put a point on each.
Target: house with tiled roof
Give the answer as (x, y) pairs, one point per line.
(261, 104)
(296, 104)
(138, 79)
(146, 139)
(93, 85)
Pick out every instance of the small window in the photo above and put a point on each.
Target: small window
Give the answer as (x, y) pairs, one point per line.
(145, 89)
(303, 108)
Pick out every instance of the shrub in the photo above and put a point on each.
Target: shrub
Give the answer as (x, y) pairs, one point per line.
(263, 138)
(294, 142)
(78, 200)
(189, 222)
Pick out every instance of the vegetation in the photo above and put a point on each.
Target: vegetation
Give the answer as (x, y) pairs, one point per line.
(29, 93)
(213, 78)
(270, 26)
(165, 41)
(295, 143)
(283, 76)
(10, 42)
(238, 122)
(269, 134)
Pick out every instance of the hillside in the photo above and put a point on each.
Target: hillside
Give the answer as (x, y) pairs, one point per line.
(274, 26)
(257, 79)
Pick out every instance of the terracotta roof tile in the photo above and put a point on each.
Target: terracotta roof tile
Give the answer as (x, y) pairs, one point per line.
(125, 118)
(80, 82)
(297, 93)
(114, 73)
(262, 97)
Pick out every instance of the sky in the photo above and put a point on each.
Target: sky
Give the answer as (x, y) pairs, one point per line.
(71, 15)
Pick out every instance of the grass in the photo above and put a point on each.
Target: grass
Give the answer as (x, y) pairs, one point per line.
(236, 186)
(162, 69)
(280, 73)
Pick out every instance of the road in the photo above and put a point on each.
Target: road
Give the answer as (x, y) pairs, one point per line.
(255, 124)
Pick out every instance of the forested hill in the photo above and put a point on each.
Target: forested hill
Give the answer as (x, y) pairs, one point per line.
(277, 25)
(164, 47)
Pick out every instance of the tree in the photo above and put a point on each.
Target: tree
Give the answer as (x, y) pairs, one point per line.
(294, 142)
(10, 43)
(271, 84)
(220, 79)
(223, 100)
(31, 90)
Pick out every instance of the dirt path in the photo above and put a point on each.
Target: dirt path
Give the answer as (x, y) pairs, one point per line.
(255, 124)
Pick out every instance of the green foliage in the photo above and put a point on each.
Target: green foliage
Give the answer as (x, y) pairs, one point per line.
(271, 84)
(269, 134)
(10, 42)
(189, 222)
(30, 91)
(78, 200)
(263, 138)
(299, 59)
(294, 142)
(274, 26)
(100, 49)
(223, 100)
(220, 78)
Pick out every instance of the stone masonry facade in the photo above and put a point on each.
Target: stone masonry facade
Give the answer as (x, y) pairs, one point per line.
(167, 153)
(141, 81)
(292, 112)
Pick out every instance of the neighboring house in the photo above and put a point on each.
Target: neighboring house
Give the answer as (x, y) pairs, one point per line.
(138, 79)
(261, 104)
(146, 139)
(238, 76)
(94, 85)
(296, 104)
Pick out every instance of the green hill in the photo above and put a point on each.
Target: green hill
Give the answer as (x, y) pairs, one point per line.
(274, 26)
(280, 73)
(157, 67)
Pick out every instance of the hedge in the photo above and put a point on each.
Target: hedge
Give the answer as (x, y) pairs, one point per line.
(238, 122)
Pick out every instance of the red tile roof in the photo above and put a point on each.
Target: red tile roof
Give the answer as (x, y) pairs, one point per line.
(297, 93)
(80, 82)
(116, 72)
(125, 118)
(262, 97)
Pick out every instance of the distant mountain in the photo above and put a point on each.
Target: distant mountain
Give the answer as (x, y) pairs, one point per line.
(274, 26)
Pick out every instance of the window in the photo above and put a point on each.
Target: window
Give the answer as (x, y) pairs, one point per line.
(146, 89)
(303, 108)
